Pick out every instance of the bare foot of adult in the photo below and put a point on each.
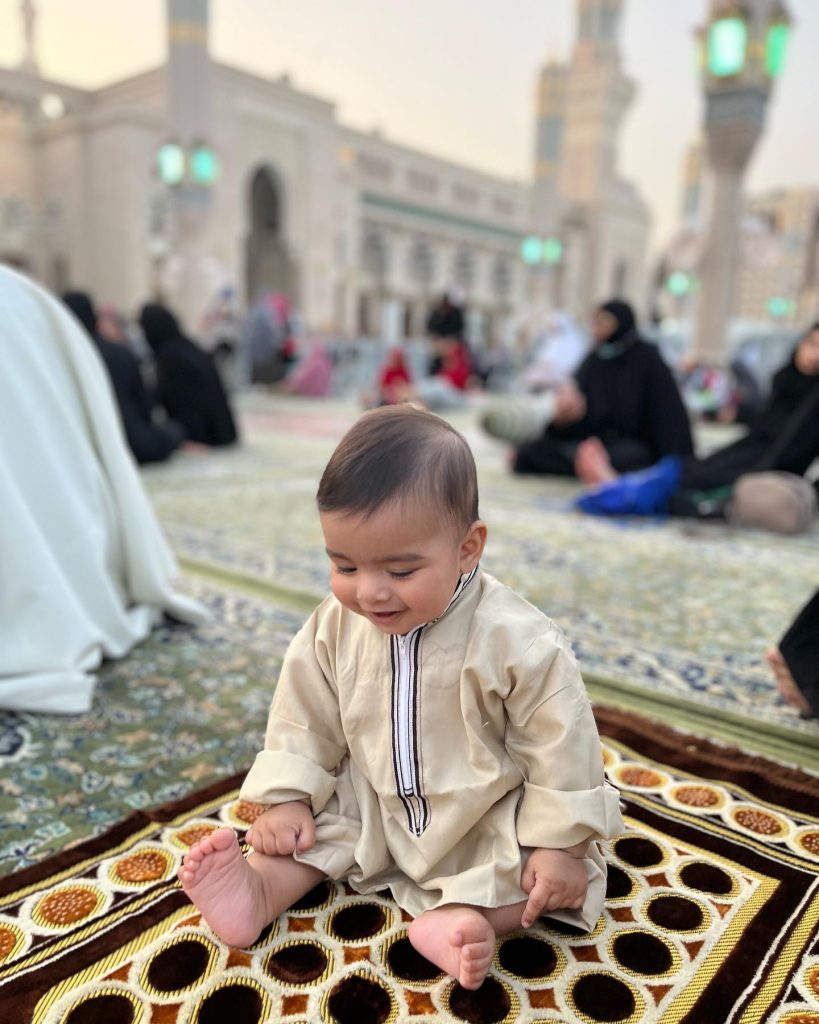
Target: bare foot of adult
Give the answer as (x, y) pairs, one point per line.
(227, 891)
(591, 462)
(785, 683)
(459, 940)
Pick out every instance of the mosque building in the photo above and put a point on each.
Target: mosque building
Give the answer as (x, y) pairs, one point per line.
(196, 176)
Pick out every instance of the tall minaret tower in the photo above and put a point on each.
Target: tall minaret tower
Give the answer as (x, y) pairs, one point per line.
(597, 96)
(188, 70)
(548, 154)
(28, 14)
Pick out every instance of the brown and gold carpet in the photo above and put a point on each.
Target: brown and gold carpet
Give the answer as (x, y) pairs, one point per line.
(712, 917)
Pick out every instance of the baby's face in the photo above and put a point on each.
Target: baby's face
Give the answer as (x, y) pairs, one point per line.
(398, 567)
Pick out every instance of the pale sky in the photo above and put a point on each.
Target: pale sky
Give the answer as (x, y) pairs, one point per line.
(454, 78)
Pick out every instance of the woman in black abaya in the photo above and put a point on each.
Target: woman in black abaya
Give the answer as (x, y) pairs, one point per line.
(188, 384)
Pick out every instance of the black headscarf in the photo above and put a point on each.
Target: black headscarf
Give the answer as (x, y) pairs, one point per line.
(159, 325)
(626, 321)
(82, 307)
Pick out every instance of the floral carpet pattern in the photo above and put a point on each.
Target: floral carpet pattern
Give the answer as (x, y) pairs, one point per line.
(186, 708)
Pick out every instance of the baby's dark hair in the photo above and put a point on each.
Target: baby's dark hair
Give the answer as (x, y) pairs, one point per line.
(401, 453)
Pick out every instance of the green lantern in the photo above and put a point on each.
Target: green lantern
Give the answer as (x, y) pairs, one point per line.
(552, 250)
(170, 163)
(204, 165)
(727, 46)
(530, 250)
(779, 307)
(678, 283)
(776, 44)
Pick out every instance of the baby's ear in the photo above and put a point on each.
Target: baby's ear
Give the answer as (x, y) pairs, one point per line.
(472, 546)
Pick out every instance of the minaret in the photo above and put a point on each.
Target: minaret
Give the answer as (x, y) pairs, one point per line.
(28, 14)
(597, 96)
(549, 130)
(188, 70)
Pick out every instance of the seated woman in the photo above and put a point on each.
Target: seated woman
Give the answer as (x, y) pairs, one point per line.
(149, 440)
(795, 662)
(86, 571)
(784, 438)
(625, 398)
(188, 384)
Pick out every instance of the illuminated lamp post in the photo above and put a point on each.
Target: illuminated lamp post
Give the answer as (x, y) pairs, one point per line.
(189, 173)
(742, 51)
(544, 257)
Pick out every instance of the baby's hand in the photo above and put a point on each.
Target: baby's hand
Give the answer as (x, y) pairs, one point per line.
(283, 829)
(553, 879)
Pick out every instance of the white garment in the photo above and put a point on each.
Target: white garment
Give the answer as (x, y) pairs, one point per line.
(84, 568)
(557, 354)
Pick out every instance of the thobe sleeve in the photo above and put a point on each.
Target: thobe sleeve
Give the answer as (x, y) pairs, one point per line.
(552, 737)
(304, 742)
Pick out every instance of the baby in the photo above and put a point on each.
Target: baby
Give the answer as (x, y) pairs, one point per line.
(430, 732)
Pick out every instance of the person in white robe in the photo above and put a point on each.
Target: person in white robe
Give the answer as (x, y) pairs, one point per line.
(85, 572)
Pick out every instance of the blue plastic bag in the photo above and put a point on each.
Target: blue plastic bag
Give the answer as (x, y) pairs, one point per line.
(644, 493)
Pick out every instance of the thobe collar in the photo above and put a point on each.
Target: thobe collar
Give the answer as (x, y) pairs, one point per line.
(462, 584)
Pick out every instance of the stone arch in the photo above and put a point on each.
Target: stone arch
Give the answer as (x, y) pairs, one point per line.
(269, 266)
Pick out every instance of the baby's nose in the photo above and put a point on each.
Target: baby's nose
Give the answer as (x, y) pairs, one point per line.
(372, 587)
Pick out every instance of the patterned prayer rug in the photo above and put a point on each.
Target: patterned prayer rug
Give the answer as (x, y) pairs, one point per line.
(712, 917)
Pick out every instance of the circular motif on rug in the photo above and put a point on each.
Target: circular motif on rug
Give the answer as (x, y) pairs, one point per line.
(12, 940)
(638, 776)
(571, 931)
(142, 866)
(600, 996)
(494, 1002)
(112, 1004)
(644, 954)
(530, 958)
(705, 877)
(697, 797)
(806, 842)
(359, 922)
(300, 962)
(178, 965)
(759, 822)
(620, 885)
(807, 981)
(610, 756)
(799, 1017)
(675, 913)
(67, 905)
(243, 813)
(237, 997)
(404, 961)
(640, 852)
(359, 999)
(320, 896)
(188, 836)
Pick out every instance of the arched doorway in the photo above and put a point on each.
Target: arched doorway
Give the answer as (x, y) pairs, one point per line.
(269, 266)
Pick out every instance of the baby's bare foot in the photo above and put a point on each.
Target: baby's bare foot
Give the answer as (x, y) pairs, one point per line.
(459, 940)
(227, 891)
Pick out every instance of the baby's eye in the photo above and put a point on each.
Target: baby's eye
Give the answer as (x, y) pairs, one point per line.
(344, 570)
(402, 575)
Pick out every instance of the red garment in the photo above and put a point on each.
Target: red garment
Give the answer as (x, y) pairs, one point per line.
(394, 378)
(457, 367)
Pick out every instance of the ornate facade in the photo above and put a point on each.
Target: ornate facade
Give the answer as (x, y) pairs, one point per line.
(361, 232)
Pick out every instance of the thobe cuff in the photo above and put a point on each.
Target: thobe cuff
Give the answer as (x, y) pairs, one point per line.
(558, 819)
(278, 777)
